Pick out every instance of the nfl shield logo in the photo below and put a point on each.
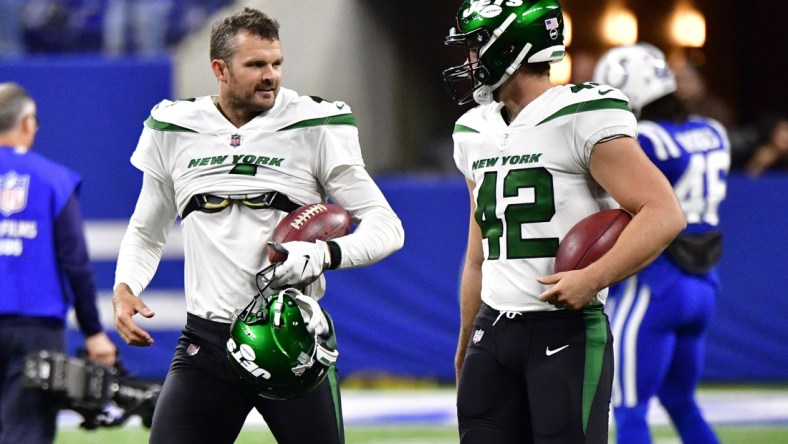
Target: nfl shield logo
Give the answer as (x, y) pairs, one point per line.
(235, 140)
(478, 336)
(13, 192)
(192, 350)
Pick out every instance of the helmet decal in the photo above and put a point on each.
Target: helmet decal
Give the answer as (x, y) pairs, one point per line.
(551, 25)
(615, 75)
(245, 357)
(640, 71)
(488, 8)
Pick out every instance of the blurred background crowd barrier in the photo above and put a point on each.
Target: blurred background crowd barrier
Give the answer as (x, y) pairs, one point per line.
(95, 86)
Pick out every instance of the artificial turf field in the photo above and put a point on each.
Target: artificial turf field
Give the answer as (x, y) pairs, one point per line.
(745, 415)
(415, 434)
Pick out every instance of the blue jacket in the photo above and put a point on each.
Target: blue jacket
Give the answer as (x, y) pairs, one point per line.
(44, 264)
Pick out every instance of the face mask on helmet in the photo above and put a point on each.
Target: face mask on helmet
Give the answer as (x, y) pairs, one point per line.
(639, 71)
(499, 36)
(271, 349)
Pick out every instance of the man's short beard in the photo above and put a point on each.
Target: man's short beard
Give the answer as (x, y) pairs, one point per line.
(248, 107)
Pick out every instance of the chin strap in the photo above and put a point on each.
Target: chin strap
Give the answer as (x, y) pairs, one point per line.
(316, 324)
(316, 321)
(323, 355)
(326, 356)
(483, 95)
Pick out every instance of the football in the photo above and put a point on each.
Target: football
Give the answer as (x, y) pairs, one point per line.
(589, 239)
(308, 223)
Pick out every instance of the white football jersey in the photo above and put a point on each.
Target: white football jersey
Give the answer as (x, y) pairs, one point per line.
(532, 182)
(291, 149)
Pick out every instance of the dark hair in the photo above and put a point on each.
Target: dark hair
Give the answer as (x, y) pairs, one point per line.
(540, 68)
(668, 107)
(250, 21)
(14, 102)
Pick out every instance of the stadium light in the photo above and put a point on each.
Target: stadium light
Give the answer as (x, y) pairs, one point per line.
(688, 26)
(567, 29)
(619, 26)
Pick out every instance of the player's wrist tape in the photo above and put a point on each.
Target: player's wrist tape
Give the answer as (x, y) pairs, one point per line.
(335, 255)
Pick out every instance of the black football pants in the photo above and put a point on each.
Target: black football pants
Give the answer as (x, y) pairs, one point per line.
(536, 377)
(204, 402)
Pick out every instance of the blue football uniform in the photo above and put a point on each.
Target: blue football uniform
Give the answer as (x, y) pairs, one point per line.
(660, 316)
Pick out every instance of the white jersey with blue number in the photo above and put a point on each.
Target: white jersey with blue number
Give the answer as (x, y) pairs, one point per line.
(695, 156)
(532, 182)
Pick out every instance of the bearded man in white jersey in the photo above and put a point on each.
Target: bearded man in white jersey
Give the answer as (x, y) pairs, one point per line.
(232, 166)
(534, 357)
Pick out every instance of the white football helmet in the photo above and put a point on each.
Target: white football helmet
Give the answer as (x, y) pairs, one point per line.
(640, 71)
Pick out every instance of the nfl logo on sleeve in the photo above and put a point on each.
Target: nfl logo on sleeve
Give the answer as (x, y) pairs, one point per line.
(235, 140)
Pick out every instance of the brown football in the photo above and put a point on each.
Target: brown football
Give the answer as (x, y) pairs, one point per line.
(308, 223)
(590, 238)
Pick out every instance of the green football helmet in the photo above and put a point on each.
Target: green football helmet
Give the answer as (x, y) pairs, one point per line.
(502, 34)
(271, 348)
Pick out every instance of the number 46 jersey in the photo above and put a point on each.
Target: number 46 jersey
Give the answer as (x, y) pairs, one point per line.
(531, 182)
(695, 157)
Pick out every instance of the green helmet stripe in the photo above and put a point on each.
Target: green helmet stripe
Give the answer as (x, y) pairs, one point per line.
(342, 119)
(592, 105)
(154, 124)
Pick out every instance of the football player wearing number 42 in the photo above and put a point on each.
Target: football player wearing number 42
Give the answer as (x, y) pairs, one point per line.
(534, 357)
(232, 166)
(660, 316)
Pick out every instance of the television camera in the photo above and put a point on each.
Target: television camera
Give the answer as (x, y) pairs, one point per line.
(105, 396)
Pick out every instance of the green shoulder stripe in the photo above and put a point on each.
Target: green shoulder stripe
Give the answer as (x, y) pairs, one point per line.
(464, 129)
(163, 126)
(341, 119)
(591, 105)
